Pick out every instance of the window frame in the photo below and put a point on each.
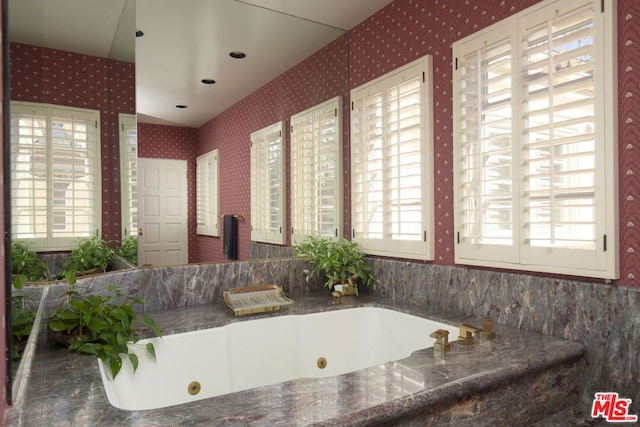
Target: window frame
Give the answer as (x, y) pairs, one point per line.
(49, 113)
(415, 244)
(268, 203)
(208, 194)
(602, 260)
(305, 172)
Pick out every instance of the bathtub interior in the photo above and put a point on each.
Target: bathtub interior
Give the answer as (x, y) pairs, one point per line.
(254, 353)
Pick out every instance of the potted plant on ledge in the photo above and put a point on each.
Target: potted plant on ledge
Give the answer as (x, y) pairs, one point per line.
(340, 260)
(93, 255)
(101, 325)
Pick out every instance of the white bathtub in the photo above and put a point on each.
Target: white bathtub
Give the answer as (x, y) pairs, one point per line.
(260, 352)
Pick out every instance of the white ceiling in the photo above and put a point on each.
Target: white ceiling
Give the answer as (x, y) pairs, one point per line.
(186, 41)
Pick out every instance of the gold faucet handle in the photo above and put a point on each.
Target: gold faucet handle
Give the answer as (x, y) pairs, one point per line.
(487, 329)
(466, 334)
(439, 334)
(442, 340)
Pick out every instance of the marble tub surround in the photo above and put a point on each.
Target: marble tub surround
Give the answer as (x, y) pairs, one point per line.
(601, 316)
(21, 380)
(67, 390)
(259, 250)
(189, 284)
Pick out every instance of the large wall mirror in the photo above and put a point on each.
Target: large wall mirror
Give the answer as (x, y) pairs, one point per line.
(82, 54)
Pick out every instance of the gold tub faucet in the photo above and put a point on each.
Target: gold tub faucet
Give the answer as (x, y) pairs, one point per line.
(487, 329)
(442, 340)
(466, 334)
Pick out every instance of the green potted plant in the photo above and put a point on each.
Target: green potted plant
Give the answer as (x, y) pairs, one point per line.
(101, 325)
(341, 261)
(129, 249)
(93, 255)
(21, 319)
(24, 261)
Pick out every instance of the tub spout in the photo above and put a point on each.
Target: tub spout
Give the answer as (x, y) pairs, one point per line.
(442, 340)
(466, 334)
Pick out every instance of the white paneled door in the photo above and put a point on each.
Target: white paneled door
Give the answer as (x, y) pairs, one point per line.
(162, 212)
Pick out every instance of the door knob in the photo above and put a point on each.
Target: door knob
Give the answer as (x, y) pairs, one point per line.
(140, 232)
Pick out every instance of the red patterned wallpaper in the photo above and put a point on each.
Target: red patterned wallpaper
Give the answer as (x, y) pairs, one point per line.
(403, 31)
(173, 142)
(629, 140)
(74, 80)
(318, 78)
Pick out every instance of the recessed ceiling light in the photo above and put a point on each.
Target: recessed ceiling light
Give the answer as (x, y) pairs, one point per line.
(139, 33)
(181, 106)
(237, 55)
(208, 81)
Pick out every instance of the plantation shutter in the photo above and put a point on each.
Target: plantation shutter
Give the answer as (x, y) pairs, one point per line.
(207, 194)
(486, 158)
(535, 142)
(129, 173)
(267, 185)
(560, 199)
(316, 172)
(55, 175)
(390, 164)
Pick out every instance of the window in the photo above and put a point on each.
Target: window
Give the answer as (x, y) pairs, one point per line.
(316, 171)
(55, 175)
(129, 173)
(535, 141)
(267, 185)
(391, 163)
(207, 194)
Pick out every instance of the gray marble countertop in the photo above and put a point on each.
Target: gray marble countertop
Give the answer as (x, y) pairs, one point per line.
(73, 394)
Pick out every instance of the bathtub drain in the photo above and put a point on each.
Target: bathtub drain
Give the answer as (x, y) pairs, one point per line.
(194, 388)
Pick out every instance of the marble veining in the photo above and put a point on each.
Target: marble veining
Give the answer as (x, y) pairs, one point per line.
(67, 390)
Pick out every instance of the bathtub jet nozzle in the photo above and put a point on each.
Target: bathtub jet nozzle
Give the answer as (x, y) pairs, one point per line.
(194, 388)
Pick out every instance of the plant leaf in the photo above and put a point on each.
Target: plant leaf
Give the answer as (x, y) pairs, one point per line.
(57, 326)
(133, 358)
(115, 363)
(152, 325)
(152, 350)
(113, 288)
(89, 348)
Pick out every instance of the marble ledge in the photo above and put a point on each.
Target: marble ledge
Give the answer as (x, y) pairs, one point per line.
(67, 389)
